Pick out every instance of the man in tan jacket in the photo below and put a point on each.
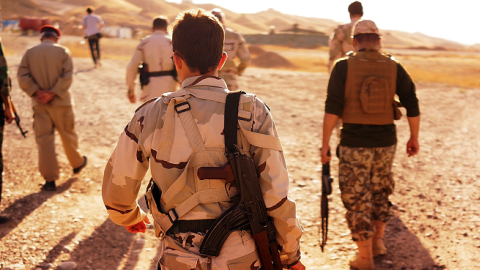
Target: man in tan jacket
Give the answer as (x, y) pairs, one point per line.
(45, 74)
(154, 52)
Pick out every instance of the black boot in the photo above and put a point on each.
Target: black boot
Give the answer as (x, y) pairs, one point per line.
(49, 186)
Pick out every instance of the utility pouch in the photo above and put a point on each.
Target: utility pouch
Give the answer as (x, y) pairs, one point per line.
(374, 95)
(397, 114)
(144, 76)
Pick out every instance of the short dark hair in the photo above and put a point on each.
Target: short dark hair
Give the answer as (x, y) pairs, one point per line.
(355, 8)
(90, 9)
(198, 37)
(160, 22)
(367, 38)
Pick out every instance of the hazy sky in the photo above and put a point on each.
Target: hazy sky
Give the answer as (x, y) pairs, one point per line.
(455, 20)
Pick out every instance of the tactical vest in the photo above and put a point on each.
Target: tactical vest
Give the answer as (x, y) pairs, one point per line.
(370, 88)
(175, 201)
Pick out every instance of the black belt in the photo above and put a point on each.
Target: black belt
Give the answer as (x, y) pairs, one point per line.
(161, 73)
(196, 226)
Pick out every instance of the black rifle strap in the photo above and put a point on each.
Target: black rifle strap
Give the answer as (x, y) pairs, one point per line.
(230, 120)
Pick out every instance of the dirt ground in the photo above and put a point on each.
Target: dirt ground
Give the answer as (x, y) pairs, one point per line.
(436, 215)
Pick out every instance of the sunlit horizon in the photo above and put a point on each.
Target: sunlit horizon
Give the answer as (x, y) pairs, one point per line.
(454, 21)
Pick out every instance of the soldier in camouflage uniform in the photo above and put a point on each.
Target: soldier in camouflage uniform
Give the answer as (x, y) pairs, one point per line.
(341, 41)
(180, 132)
(6, 113)
(361, 91)
(235, 46)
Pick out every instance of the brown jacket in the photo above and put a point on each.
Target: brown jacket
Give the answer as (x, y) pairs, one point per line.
(47, 66)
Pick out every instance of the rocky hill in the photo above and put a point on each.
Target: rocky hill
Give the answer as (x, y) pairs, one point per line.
(139, 13)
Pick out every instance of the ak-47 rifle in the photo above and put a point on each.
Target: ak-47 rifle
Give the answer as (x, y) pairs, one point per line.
(326, 190)
(249, 211)
(17, 120)
(8, 102)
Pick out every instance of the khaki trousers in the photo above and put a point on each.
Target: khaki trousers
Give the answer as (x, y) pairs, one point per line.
(47, 119)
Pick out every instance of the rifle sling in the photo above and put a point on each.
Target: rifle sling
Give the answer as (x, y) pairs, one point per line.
(231, 120)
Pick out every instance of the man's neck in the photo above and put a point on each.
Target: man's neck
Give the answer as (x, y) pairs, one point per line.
(354, 18)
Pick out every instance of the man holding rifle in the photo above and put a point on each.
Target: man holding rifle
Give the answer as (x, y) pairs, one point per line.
(361, 91)
(6, 114)
(180, 136)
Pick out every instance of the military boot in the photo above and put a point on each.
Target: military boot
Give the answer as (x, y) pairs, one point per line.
(378, 247)
(364, 259)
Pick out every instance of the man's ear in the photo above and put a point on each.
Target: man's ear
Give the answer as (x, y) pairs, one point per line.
(354, 44)
(222, 60)
(178, 61)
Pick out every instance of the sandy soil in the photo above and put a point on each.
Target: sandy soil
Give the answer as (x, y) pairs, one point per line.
(435, 226)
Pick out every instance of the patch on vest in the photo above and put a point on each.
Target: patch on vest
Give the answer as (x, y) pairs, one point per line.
(374, 95)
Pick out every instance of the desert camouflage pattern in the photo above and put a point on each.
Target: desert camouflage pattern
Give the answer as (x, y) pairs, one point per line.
(141, 146)
(365, 27)
(235, 46)
(341, 42)
(238, 253)
(155, 50)
(366, 181)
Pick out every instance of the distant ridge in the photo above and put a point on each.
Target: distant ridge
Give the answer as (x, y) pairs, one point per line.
(139, 13)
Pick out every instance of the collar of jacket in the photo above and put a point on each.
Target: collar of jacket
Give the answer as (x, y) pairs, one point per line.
(204, 80)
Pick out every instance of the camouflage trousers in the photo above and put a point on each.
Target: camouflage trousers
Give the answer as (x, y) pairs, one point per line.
(180, 251)
(230, 79)
(366, 181)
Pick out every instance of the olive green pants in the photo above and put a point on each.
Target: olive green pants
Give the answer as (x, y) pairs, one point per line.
(47, 119)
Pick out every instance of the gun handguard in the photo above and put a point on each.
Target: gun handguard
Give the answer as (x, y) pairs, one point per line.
(225, 172)
(326, 190)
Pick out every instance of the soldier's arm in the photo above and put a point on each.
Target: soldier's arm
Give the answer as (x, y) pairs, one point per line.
(132, 70)
(243, 54)
(25, 79)
(336, 49)
(407, 94)
(65, 80)
(124, 173)
(274, 181)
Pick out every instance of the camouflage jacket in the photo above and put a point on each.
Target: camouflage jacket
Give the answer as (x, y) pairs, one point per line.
(4, 84)
(341, 42)
(153, 129)
(235, 46)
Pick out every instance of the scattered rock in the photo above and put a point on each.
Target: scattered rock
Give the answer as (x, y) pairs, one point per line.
(67, 265)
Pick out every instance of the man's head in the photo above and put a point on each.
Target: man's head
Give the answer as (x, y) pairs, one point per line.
(50, 32)
(355, 9)
(219, 14)
(160, 23)
(90, 9)
(197, 41)
(365, 34)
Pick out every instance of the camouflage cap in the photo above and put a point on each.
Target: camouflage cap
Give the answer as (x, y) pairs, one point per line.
(365, 27)
(219, 14)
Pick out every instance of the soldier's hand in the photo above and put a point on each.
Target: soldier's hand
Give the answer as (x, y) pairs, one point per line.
(139, 227)
(132, 98)
(298, 266)
(324, 154)
(412, 147)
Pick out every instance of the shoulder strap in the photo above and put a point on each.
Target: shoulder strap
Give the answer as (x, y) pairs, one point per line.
(231, 119)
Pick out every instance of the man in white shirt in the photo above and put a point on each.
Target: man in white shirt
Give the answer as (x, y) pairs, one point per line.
(158, 74)
(92, 24)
